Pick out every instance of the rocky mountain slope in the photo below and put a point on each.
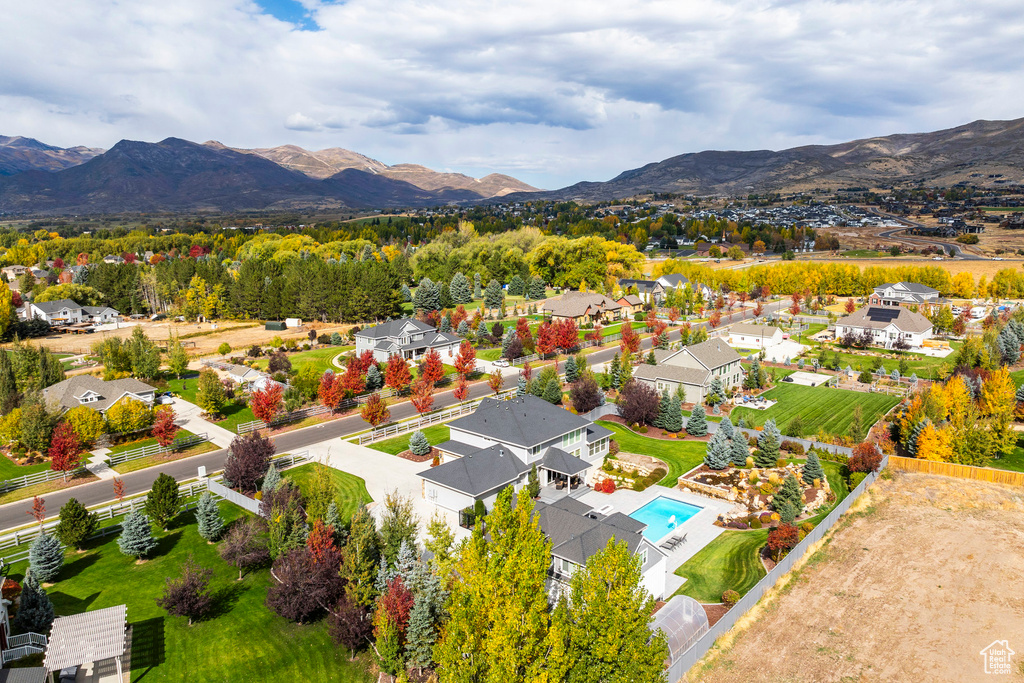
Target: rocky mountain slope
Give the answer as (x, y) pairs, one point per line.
(18, 154)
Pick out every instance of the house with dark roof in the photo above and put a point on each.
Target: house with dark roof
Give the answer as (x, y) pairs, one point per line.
(677, 281)
(903, 293)
(650, 291)
(93, 392)
(692, 368)
(578, 532)
(66, 311)
(885, 325)
(502, 440)
(406, 337)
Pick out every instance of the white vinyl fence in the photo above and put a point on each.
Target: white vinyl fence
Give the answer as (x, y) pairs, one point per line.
(156, 449)
(428, 419)
(245, 502)
(38, 478)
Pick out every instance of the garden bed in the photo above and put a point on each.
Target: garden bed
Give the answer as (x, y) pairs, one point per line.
(409, 455)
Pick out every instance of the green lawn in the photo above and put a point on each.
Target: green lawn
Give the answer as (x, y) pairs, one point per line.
(923, 366)
(681, 456)
(319, 358)
(818, 407)
(397, 444)
(241, 635)
(351, 490)
(132, 445)
(186, 387)
(1017, 377)
(1014, 461)
(10, 470)
(730, 562)
(489, 354)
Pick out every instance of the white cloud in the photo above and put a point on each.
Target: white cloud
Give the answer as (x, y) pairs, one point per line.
(558, 92)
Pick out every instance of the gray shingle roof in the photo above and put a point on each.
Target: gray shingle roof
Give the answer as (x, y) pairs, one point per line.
(457, 447)
(915, 287)
(674, 280)
(393, 328)
(525, 421)
(713, 353)
(672, 373)
(576, 537)
(880, 317)
(557, 460)
(475, 474)
(575, 304)
(65, 393)
(596, 432)
(642, 286)
(753, 330)
(54, 306)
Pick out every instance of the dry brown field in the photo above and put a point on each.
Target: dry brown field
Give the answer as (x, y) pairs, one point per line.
(911, 587)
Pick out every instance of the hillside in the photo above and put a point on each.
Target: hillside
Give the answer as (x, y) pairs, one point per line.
(18, 154)
(972, 153)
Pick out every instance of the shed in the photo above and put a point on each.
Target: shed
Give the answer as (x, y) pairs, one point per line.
(683, 621)
(293, 322)
(275, 325)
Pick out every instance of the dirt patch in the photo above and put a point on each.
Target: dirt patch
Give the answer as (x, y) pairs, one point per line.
(409, 455)
(911, 589)
(714, 612)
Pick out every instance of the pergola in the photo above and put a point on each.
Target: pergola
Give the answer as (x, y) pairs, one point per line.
(87, 637)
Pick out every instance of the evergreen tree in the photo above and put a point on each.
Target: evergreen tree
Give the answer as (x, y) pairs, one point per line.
(716, 392)
(533, 482)
(477, 292)
(717, 455)
(651, 358)
(333, 519)
(895, 375)
(8, 385)
(664, 406)
(271, 480)
(460, 290)
(738, 450)
(405, 293)
(553, 392)
(45, 558)
(742, 423)
(494, 295)
(421, 634)
(506, 342)
(444, 297)
(162, 501)
(427, 297)
(697, 424)
(572, 371)
(789, 493)
(446, 324)
(481, 329)
(208, 517)
(516, 286)
(521, 387)
(915, 435)
(136, 537)
(674, 419)
(373, 379)
(662, 341)
(76, 524)
(463, 329)
(418, 443)
(537, 289)
(35, 613)
(1019, 396)
(768, 445)
(752, 380)
(613, 370)
(812, 469)
(726, 426)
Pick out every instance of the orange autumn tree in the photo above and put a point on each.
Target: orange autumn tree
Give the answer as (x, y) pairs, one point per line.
(267, 402)
(630, 341)
(422, 396)
(164, 428)
(465, 359)
(375, 410)
(462, 390)
(496, 381)
(330, 391)
(431, 368)
(397, 375)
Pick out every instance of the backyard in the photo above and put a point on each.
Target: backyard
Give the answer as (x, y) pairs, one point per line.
(235, 412)
(680, 456)
(351, 490)
(321, 359)
(240, 635)
(820, 408)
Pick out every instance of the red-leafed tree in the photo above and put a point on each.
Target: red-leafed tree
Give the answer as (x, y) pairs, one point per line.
(496, 381)
(766, 292)
(164, 428)
(458, 316)
(659, 327)
(65, 449)
(567, 335)
(782, 539)
(524, 334)
(58, 263)
(758, 310)
(465, 359)
(119, 489)
(82, 260)
(321, 541)
(375, 410)
(422, 396)
(432, 368)
(330, 392)
(38, 510)
(865, 458)
(16, 300)
(651, 320)
(849, 306)
(596, 334)
(630, 341)
(715, 319)
(462, 390)
(266, 403)
(352, 381)
(397, 376)
(546, 341)
(673, 315)
(196, 251)
(362, 362)
(527, 371)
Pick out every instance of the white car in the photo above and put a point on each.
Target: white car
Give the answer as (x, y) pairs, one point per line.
(501, 363)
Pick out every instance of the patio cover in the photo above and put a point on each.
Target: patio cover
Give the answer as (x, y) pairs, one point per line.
(87, 637)
(557, 460)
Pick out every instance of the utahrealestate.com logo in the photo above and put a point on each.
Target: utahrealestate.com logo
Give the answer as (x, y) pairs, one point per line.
(997, 657)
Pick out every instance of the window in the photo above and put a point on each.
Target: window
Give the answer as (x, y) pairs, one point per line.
(643, 557)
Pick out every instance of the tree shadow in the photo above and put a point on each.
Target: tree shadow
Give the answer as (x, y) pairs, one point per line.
(74, 564)
(148, 649)
(182, 519)
(69, 604)
(225, 598)
(165, 544)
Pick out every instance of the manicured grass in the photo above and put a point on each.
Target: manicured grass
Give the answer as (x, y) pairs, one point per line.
(154, 460)
(10, 470)
(1018, 377)
(241, 635)
(923, 366)
(397, 444)
(730, 562)
(350, 490)
(46, 487)
(186, 387)
(132, 445)
(819, 408)
(319, 358)
(681, 456)
(235, 414)
(1014, 461)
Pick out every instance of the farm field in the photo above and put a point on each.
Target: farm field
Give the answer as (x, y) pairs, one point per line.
(240, 634)
(397, 444)
(873, 604)
(681, 456)
(819, 408)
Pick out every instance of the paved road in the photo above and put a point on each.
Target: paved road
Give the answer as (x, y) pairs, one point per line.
(95, 493)
(918, 241)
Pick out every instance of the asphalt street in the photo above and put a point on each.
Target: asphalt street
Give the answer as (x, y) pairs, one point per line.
(95, 493)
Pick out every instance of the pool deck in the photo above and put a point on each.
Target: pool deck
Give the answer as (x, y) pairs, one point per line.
(699, 529)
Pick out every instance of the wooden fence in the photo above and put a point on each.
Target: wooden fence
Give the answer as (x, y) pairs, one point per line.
(949, 469)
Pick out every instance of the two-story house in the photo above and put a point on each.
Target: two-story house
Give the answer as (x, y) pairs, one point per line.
(693, 368)
(66, 312)
(677, 281)
(900, 293)
(406, 337)
(885, 325)
(650, 291)
(500, 442)
(93, 392)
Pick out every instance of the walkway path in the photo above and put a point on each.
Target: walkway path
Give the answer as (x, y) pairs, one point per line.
(188, 417)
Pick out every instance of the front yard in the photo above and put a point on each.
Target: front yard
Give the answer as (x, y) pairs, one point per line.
(820, 408)
(397, 444)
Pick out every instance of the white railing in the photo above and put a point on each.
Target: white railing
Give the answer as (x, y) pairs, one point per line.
(17, 653)
(38, 478)
(156, 449)
(27, 639)
(428, 419)
(245, 502)
(294, 416)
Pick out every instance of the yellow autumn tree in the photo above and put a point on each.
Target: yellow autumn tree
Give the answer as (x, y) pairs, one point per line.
(6, 308)
(963, 285)
(934, 444)
(997, 404)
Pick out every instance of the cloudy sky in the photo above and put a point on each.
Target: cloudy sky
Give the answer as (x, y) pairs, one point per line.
(552, 92)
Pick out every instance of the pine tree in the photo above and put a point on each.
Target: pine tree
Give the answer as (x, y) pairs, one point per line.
(716, 392)
(477, 292)
(533, 482)
(812, 469)
(446, 324)
(76, 524)
(521, 387)
(421, 634)
(789, 493)
(614, 371)
(697, 424)
(664, 405)
(726, 426)
(373, 379)
(418, 443)
(208, 517)
(332, 518)
(481, 329)
(506, 342)
(336, 339)
(651, 358)
(136, 537)
(459, 289)
(35, 614)
(494, 295)
(444, 297)
(516, 286)
(717, 455)
(572, 371)
(674, 419)
(271, 480)
(8, 385)
(742, 423)
(463, 329)
(405, 293)
(537, 289)
(162, 501)
(45, 558)
(738, 450)
(915, 434)
(768, 445)
(553, 392)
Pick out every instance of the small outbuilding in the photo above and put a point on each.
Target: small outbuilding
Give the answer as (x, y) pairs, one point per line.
(683, 621)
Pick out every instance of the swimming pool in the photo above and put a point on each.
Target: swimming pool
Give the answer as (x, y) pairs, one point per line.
(662, 515)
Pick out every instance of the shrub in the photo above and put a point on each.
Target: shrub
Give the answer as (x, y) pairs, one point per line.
(607, 486)
(224, 349)
(807, 527)
(613, 447)
(418, 443)
(782, 539)
(642, 429)
(866, 458)
(856, 478)
(792, 447)
(755, 523)
(659, 473)
(730, 598)
(639, 485)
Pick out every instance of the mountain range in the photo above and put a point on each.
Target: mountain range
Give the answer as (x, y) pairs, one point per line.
(178, 175)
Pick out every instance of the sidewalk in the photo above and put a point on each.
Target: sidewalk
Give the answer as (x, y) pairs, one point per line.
(188, 417)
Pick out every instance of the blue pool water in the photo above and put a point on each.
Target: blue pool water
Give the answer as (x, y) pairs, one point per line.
(658, 512)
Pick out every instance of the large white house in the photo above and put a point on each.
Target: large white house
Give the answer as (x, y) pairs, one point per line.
(746, 335)
(406, 337)
(899, 293)
(498, 444)
(693, 368)
(93, 392)
(677, 281)
(66, 311)
(886, 325)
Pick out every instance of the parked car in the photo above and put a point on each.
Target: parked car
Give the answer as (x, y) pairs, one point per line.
(501, 363)
(157, 316)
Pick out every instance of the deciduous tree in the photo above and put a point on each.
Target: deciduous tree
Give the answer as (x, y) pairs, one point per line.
(188, 595)
(248, 458)
(638, 403)
(431, 367)
(129, 415)
(76, 524)
(267, 402)
(164, 428)
(375, 410)
(496, 381)
(246, 546)
(422, 396)
(210, 394)
(65, 449)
